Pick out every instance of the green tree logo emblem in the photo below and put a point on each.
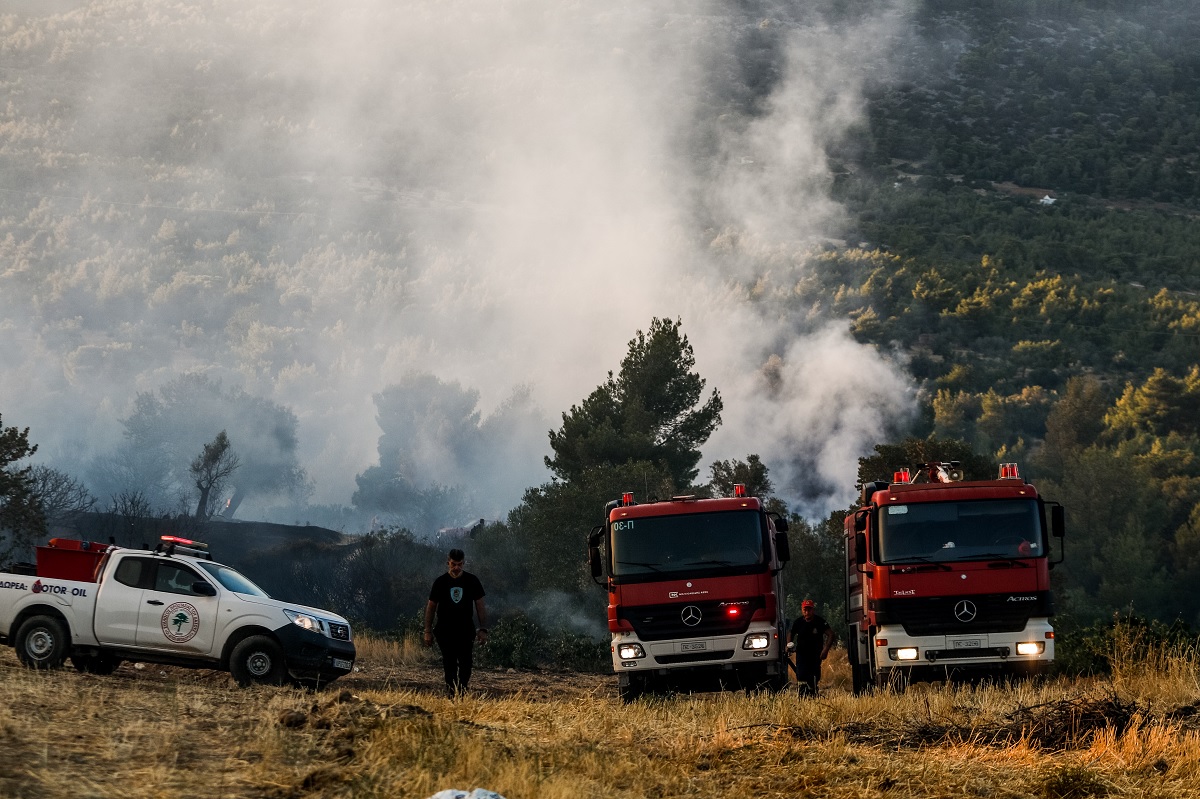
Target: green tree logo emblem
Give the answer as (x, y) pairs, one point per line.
(180, 622)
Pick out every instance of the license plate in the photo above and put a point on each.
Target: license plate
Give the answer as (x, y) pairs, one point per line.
(339, 663)
(973, 644)
(696, 646)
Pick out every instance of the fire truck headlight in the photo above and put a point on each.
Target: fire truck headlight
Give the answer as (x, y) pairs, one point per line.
(756, 641)
(1031, 648)
(310, 623)
(904, 653)
(630, 651)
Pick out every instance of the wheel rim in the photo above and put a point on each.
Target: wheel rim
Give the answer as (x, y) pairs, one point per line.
(259, 664)
(39, 644)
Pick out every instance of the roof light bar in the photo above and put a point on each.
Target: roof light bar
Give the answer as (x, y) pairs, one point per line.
(900, 476)
(739, 490)
(186, 542)
(627, 498)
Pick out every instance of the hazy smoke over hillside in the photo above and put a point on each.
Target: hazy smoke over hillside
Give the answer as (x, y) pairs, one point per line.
(314, 201)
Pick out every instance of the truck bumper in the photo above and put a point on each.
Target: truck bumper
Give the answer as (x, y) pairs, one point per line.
(311, 655)
(757, 649)
(1028, 652)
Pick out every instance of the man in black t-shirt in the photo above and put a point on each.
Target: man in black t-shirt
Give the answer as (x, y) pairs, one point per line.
(812, 638)
(452, 598)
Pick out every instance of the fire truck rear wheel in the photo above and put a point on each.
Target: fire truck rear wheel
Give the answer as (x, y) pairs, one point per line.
(258, 660)
(42, 642)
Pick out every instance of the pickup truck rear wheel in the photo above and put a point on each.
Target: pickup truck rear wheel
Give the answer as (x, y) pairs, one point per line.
(41, 642)
(258, 660)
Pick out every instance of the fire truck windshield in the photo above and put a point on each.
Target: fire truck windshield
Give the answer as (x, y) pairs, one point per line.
(968, 530)
(698, 542)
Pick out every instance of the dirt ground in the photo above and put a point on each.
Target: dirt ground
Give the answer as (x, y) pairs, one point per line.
(421, 678)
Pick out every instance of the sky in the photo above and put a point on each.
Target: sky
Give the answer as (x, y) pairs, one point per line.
(312, 200)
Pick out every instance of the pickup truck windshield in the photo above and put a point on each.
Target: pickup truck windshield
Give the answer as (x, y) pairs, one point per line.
(942, 532)
(729, 540)
(233, 580)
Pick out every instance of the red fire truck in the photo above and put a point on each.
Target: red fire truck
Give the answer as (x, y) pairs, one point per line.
(695, 596)
(948, 579)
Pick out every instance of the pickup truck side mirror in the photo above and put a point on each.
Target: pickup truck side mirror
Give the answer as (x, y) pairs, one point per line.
(201, 588)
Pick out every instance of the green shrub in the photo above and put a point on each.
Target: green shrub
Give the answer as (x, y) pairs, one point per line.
(518, 642)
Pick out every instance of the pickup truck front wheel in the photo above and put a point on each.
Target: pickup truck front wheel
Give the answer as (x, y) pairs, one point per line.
(41, 642)
(258, 660)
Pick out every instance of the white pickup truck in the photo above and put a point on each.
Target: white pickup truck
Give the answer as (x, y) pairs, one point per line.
(101, 605)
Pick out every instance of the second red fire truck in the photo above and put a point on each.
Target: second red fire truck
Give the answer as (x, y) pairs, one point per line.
(949, 578)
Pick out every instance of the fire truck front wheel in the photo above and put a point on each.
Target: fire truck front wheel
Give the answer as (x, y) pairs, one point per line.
(258, 660)
(860, 673)
(41, 642)
(630, 687)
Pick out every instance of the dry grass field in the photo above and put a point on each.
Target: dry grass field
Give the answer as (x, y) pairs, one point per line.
(387, 731)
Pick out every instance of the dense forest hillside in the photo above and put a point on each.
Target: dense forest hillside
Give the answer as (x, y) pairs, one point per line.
(381, 250)
(1026, 231)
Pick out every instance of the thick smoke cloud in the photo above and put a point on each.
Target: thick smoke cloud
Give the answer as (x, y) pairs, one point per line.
(313, 201)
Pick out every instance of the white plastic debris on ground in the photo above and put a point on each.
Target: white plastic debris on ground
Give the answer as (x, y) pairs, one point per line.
(478, 793)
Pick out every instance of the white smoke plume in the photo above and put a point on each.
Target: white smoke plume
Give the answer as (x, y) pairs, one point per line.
(312, 200)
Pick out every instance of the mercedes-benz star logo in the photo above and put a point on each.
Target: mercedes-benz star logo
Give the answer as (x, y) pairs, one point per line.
(965, 611)
(690, 615)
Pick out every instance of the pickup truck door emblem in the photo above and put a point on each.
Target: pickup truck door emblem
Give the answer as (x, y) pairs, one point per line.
(690, 615)
(180, 622)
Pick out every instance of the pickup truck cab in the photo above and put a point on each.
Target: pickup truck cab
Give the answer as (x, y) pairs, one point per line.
(100, 605)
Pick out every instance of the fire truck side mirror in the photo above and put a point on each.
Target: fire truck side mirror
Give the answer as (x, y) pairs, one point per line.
(781, 525)
(860, 549)
(783, 550)
(860, 521)
(593, 545)
(1058, 523)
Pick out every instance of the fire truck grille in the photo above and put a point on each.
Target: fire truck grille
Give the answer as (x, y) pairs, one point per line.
(691, 619)
(952, 615)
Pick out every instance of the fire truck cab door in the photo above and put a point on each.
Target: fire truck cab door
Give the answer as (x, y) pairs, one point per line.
(173, 617)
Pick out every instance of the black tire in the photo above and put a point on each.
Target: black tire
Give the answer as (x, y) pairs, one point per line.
(632, 691)
(102, 664)
(258, 660)
(860, 673)
(42, 642)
